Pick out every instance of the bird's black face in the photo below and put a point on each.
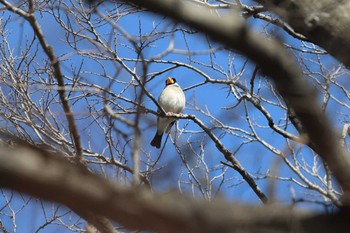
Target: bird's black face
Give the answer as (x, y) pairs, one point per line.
(170, 81)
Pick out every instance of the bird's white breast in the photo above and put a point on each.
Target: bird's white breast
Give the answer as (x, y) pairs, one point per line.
(172, 99)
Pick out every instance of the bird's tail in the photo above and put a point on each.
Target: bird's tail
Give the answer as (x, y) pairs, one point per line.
(157, 140)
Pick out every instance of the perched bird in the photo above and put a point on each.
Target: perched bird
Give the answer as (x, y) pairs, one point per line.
(172, 99)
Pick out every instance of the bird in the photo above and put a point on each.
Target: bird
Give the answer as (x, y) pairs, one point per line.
(172, 99)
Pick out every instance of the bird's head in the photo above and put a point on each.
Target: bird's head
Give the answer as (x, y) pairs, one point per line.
(170, 81)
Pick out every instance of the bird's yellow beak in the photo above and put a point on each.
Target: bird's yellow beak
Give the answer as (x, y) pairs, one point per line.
(170, 81)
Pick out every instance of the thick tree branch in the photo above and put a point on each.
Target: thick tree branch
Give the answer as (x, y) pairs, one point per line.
(51, 177)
